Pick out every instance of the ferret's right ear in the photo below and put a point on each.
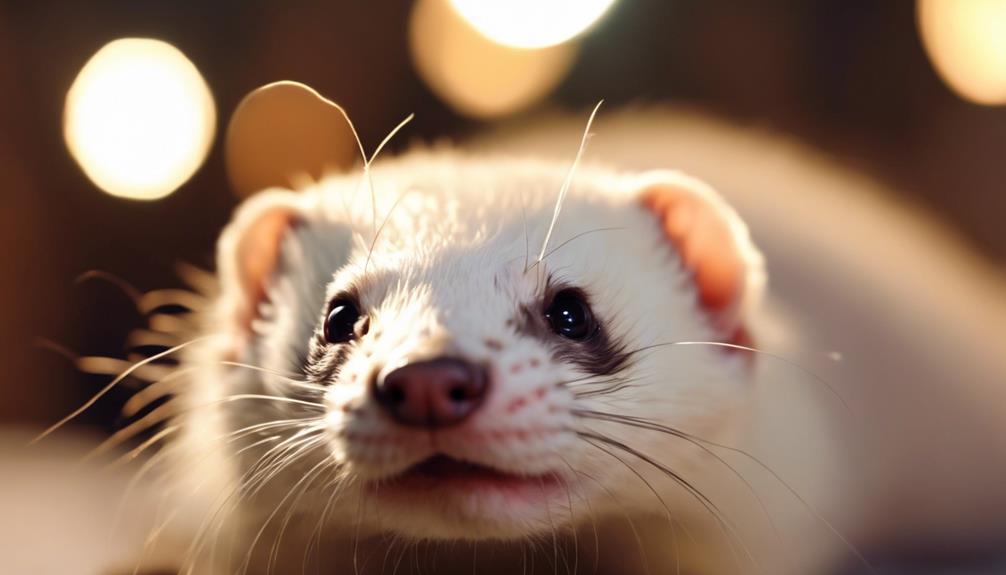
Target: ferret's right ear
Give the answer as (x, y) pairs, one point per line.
(711, 241)
(249, 250)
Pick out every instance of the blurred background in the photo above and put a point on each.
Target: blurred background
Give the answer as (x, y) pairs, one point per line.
(111, 150)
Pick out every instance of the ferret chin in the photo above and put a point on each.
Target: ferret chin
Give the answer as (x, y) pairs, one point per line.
(501, 350)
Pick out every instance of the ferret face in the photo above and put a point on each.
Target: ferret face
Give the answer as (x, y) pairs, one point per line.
(462, 387)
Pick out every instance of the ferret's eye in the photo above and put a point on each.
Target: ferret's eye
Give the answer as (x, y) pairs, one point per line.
(340, 325)
(570, 316)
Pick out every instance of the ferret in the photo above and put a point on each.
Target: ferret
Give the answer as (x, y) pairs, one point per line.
(505, 357)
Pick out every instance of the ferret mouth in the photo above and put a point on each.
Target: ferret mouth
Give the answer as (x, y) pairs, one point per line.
(443, 497)
(443, 472)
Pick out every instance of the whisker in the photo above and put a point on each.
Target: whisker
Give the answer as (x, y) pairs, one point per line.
(628, 519)
(274, 551)
(338, 485)
(590, 513)
(99, 365)
(653, 426)
(391, 135)
(296, 489)
(612, 386)
(131, 455)
(710, 506)
(366, 169)
(572, 522)
(667, 510)
(156, 390)
(285, 378)
(164, 385)
(648, 424)
(739, 347)
(345, 115)
(275, 460)
(377, 232)
(555, 536)
(127, 288)
(277, 398)
(584, 380)
(169, 411)
(576, 237)
(112, 384)
(158, 415)
(568, 181)
(398, 562)
(356, 536)
(228, 502)
(527, 240)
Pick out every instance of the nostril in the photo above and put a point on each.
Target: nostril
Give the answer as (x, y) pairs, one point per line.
(394, 395)
(458, 393)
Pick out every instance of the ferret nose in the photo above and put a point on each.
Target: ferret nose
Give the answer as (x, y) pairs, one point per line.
(435, 393)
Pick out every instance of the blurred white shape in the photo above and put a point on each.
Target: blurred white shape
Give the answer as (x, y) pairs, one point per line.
(139, 118)
(531, 23)
(476, 76)
(966, 41)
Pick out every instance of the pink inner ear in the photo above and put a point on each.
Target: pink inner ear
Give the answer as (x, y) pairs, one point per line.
(258, 255)
(702, 235)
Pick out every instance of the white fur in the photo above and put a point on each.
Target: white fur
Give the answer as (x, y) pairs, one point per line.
(448, 270)
(452, 266)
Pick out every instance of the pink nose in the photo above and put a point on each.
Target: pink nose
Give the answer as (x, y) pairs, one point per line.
(436, 393)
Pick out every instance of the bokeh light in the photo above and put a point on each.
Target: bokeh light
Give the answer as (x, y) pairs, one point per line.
(966, 41)
(531, 23)
(284, 131)
(139, 118)
(477, 76)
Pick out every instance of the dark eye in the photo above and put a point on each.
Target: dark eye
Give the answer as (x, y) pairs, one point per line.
(340, 325)
(570, 316)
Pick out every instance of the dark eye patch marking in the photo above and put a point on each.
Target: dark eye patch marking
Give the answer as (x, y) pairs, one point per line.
(599, 354)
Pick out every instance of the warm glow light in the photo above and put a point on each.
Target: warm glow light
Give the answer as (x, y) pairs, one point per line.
(283, 133)
(966, 40)
(531, 23)
(139, 118)
(476, 76)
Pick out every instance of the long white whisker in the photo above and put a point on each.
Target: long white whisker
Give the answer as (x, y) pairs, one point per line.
(568, 181)
(101, 393)
(228, 500)
(161, 413)
(391, 135)
(284, 378)
(776, 356)
(277, 398)
(338, 486)
(127, 288)
(154, 391)
(310, 475)
(274, 551)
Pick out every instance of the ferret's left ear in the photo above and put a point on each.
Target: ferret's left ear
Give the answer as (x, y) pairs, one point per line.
(712, 242)
(249, 249)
